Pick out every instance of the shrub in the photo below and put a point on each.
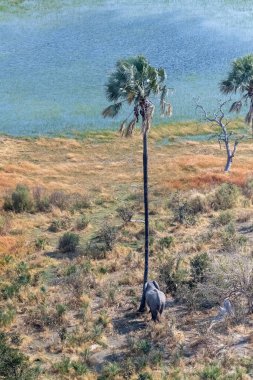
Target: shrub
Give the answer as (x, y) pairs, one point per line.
(4, 225)
(166, 242)
(96, 249)
(230, 240)
(225, 197)
(68, 242)
(173, 275)
(125, 214)
(59, 199)
(20, 200)
(107, 235)
(81, 223)
(110, 371)
(145, 376)
(41, 242)
(248, 188)
(59, 225)
(185, 210)
(6, 316)
(22, 278)
(229, 275)
(41, 199)
(13, 364)
(224, 218)
(199, 266)
(211, 372)
(80, 202)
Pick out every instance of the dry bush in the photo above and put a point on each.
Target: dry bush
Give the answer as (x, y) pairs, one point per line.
(226, 196)
(230, 240)
(247, 188)
(59, 224)
(229, 276)
(5, 224)
(80, 202)
(79, 279)
(59, 199)
(41, 199)
(125, 213)
(224, 218)
(81, 223)
(185, 210)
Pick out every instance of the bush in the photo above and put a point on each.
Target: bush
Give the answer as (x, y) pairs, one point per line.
(13, 364)
(199, 267)
(4, 225)
(229, 276)
(225, 197)
(41, 243)
(172, 275)
(22, 278)
(41, 199)
(68, 242)
(6, 316)
(230, 240)
(19, 201)
(81, 223)
(59, 225)
(59, 199)
(166, 242)
(248, 189)
(212, 372)
(80, 202)
(110, 371)
(107, 235)
(186, 210)
(125, 214)
(223, 219)
(145, 376)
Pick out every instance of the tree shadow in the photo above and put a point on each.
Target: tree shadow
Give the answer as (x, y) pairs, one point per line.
(128, 323)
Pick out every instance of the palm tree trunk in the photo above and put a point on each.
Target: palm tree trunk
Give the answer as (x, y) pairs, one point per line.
(145, 188)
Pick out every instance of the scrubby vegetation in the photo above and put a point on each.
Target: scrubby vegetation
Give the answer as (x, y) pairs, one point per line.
(71, 262)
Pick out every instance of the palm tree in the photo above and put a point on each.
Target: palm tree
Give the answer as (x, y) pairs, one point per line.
(240, 79)
(133, 82)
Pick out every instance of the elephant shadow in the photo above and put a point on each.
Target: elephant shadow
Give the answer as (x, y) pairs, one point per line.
(128, 324)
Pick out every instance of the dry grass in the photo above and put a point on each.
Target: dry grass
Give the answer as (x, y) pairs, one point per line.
(99, 297)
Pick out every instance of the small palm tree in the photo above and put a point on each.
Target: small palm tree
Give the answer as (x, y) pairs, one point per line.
(240, 79)
(133, 82)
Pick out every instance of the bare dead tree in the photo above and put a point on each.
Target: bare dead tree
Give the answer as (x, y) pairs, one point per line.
(229, 138)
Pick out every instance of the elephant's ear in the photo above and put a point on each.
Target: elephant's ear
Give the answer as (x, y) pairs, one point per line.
(156, 285)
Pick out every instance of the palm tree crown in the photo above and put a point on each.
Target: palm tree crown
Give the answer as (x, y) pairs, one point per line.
(133, 81)
(240, 79)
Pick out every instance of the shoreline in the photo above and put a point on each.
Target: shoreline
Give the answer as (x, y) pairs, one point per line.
(173, 129)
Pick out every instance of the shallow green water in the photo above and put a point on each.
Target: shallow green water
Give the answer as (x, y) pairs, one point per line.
(55, 56)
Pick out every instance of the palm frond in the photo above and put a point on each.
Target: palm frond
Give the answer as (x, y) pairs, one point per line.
(249, 116)
(169, 110)
(164, 92)
(122, 128)
(227, 86)
(236, 107)
(162, 74)
(130, 128)
(112, 110)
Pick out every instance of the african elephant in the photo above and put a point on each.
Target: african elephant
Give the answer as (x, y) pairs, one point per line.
(155, 299)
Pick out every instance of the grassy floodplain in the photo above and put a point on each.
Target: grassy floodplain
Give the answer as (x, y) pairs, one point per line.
(73, 311)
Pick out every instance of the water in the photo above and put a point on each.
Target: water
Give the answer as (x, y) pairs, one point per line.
(54, 60)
